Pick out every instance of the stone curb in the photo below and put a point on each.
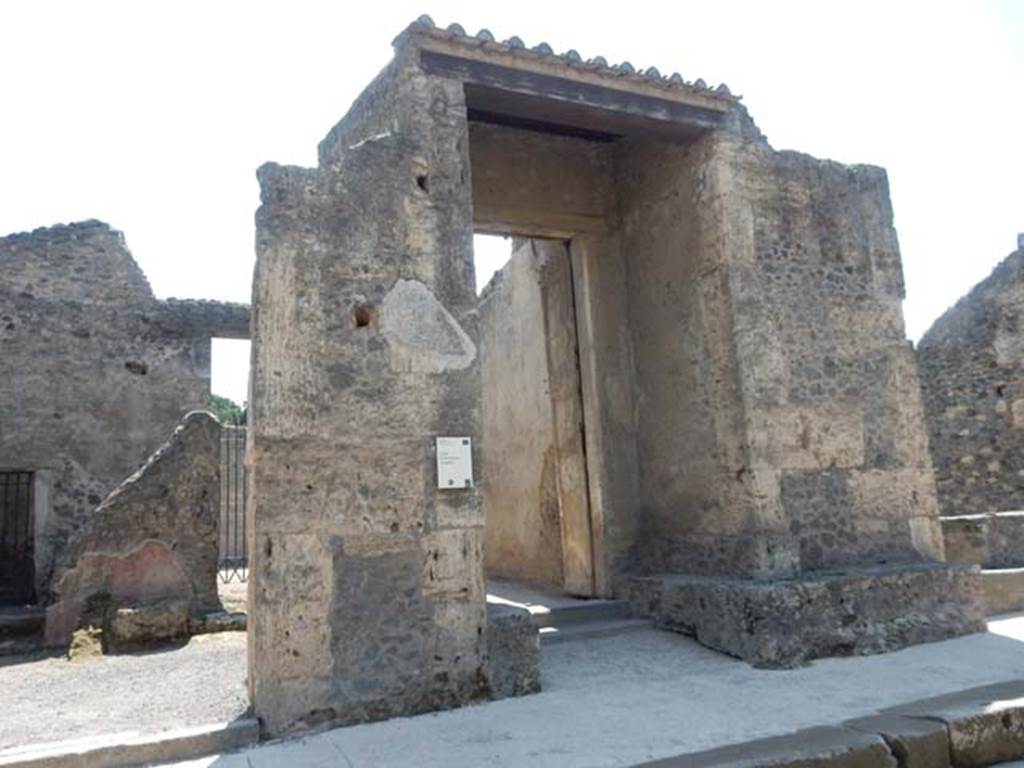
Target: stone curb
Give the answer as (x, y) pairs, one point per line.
(120, 750)
(967, 729)
(812, 747)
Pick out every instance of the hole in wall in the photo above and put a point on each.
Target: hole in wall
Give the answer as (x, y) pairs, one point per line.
(137, 367)
(362, 316)
(421, 182)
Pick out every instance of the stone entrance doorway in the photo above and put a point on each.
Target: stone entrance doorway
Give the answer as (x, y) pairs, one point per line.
(17, 568)
(751, 423)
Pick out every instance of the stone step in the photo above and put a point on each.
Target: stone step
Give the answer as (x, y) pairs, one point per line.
(588, 630)
(21, 645)
(584, 611)
(16, 621)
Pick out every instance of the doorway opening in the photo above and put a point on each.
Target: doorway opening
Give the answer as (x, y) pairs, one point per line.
(229, 385)
(535, 493)
(17, 538)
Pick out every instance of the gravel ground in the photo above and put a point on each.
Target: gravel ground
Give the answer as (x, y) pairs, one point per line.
(52, 699)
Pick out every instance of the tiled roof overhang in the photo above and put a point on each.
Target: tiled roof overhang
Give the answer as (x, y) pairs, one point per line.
(508, 82)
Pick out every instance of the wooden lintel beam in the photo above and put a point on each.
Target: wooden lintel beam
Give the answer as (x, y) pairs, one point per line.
(572, 91)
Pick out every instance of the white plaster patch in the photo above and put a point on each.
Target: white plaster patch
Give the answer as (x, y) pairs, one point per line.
(423, 335)
(368, 139)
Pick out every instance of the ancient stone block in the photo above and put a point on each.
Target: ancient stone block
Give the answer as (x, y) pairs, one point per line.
(787, 623)
(513, 651)
(147, 624)
(966, 538)
(985, 725)
(914, 742)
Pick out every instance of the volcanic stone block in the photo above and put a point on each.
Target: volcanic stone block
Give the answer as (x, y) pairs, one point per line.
(513, 650)
(787, 623)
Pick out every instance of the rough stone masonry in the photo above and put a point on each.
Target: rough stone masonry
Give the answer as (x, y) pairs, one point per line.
(971, 360)
(97, 374)
(146, 560)
(749, 416)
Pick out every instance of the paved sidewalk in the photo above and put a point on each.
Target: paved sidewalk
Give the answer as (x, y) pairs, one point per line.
(621, 700)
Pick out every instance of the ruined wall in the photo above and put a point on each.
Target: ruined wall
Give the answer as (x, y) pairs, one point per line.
(971, 363)
(366, 582)
(831, 402)
(96, 371)
(152, 540)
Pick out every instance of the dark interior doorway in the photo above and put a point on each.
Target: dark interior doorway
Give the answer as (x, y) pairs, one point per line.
(17, 564)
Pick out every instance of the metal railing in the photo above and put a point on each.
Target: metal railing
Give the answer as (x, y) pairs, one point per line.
(233, 561)
(17, 539)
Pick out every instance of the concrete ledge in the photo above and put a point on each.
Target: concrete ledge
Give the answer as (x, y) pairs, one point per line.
(838, 747)
(779, 624)
(127, 749)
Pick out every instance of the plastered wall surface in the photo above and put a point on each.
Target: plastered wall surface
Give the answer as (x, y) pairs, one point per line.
(519, 481)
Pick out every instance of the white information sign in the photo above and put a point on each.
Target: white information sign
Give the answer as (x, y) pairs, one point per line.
(454, 462)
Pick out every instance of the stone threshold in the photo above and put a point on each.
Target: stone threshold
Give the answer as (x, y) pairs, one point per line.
(119, 750)
(967, 729)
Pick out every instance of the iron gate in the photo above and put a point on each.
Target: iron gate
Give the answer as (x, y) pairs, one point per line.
(17, 539)
(234, 556)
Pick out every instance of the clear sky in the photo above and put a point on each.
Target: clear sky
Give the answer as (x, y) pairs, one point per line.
(153, 116)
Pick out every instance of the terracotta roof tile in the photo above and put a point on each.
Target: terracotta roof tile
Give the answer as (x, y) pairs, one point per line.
(455, 33)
